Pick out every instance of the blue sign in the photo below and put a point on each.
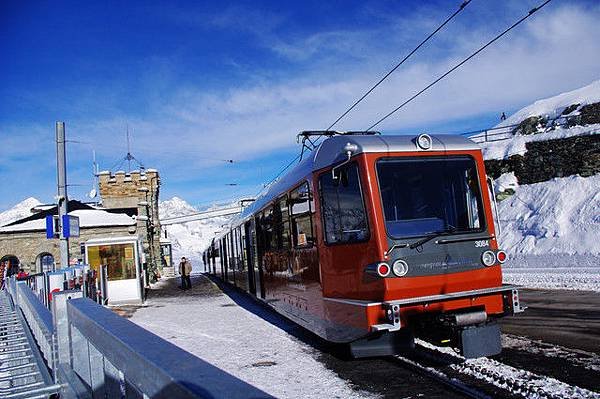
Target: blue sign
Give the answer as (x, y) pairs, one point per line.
(70, 226)
(50, 226)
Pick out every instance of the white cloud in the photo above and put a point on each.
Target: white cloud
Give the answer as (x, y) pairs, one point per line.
(189, 128)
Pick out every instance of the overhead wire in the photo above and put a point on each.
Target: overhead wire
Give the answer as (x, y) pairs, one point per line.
(460, 8)
(489, 43)
(379, 82)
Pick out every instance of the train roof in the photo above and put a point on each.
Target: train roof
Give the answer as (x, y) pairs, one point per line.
(331, 151)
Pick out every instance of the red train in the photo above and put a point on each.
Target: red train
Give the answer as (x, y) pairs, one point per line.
(373, 240)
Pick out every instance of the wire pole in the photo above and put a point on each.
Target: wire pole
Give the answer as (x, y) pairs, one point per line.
(62, 198)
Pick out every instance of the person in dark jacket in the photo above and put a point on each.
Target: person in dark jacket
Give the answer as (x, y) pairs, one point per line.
(185, 269)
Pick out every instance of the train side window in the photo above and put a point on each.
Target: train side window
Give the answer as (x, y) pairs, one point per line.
(283, 226)
(343, 208)
(301, 216)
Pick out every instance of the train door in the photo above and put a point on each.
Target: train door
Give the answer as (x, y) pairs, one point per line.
(250, 254)
(214, 260)
(222, 250)
(259, 245)
(345, 228)
(232, 258)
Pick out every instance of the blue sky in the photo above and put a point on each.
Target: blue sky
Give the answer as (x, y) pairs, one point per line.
(199, 82)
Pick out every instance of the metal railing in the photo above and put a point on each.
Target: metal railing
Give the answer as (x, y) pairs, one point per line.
(509, 131)
(94, 353)
(117, 358)
(39, 319)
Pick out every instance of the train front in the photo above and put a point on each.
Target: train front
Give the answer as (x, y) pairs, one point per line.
(438, 270)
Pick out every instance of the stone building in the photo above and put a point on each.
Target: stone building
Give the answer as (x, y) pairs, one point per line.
(24, 241)
(136, 193)
(128, 207)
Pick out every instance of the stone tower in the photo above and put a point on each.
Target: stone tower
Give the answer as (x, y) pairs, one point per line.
(136, 192)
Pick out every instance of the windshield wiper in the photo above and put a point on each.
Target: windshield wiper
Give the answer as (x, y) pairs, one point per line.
(431, 236)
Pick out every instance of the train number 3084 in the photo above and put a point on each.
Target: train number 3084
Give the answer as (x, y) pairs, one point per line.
(482, 243)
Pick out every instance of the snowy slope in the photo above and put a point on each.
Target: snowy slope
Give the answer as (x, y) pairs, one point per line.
(554, 106)
(549, 108)
(191, 238)
(19, 211)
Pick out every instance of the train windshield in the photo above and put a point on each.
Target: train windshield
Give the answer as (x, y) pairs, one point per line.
(426, 195)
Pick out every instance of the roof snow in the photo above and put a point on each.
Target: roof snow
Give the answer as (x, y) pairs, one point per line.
(87, 218)
(19, 211)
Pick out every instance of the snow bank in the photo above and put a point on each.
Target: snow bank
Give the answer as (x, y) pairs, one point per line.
(561, 216)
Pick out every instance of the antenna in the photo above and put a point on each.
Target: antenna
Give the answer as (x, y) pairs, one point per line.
(94, 191)
(129, 157)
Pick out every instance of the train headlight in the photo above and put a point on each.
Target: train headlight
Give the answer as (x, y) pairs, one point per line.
(424, 141)
(383, 269)
(501, 256)
(488, 258)
(400, 268)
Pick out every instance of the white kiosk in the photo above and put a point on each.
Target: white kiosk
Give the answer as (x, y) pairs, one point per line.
(125, 280)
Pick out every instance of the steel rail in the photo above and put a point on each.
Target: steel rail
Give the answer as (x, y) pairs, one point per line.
(442, 378)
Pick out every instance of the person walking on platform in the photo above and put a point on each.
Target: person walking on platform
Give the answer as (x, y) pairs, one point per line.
(185, 269)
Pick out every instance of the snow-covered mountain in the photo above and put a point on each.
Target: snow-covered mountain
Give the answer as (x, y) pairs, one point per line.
(191, 238)
(19, 211)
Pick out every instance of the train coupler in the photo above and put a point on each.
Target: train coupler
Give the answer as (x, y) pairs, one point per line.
(392, 314)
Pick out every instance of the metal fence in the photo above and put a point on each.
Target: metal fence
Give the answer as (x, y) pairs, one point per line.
(94, 353)
(507, 132)
(39, 319)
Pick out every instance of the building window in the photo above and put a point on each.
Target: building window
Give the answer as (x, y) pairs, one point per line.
(119, 259)
(343, 207)
(45, 262)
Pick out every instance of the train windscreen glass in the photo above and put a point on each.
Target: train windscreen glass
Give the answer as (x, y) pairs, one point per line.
(422, 196)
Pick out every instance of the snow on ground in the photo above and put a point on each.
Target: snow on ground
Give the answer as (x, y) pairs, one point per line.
(19, 211)
(191, 238)
(551, 231)
(517, 381)
(226, 335)
(582, 358)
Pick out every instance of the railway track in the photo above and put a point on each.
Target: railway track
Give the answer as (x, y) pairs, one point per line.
(487, 377)
(442, 378)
